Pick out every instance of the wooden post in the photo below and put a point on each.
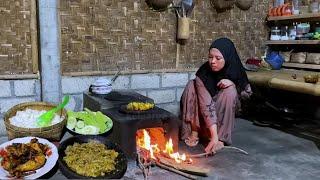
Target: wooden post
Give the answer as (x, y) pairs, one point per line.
(178, 56)
(34, 36)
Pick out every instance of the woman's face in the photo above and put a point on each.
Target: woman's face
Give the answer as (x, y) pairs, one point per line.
(216, 60)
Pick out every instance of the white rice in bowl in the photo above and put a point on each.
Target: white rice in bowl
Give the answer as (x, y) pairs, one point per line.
(28, 118)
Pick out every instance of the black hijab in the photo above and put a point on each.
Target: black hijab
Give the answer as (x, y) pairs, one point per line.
(232, 70)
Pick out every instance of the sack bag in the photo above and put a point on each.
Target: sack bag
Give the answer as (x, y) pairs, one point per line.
(286, 55)
(313, 58)
(299, 57)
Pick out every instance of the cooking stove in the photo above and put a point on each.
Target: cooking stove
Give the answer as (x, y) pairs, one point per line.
(126, 125)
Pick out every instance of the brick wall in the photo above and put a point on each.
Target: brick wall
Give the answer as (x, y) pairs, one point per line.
(14, 92)
(165, 88)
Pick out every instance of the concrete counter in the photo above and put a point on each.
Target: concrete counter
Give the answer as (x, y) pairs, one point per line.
(290, 80)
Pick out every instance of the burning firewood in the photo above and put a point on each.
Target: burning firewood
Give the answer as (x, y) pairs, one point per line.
(144, 164)
(188, 168)
(175, 171)
(165, 157)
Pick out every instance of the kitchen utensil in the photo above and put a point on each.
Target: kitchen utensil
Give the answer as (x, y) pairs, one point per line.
(46, 118)
(121, 160)
(114, 78)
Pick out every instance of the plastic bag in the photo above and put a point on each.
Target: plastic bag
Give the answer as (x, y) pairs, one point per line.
(275, 60)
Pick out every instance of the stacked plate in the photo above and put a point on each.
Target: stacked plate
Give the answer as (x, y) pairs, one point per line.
(101, 86)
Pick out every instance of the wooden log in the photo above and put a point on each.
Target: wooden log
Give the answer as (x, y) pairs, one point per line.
(175, 171)
(188, 168)
(211, 153)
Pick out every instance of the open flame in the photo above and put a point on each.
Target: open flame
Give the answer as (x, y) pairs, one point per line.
(145, 143)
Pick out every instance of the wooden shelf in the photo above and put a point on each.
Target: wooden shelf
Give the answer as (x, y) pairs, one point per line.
(302, 66)
(269, 42)
(308, 16)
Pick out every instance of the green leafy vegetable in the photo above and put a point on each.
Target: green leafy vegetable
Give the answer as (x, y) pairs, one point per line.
(97, 119)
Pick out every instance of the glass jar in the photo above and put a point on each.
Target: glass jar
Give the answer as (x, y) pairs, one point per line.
(293, 32)
(275, 33)
(314, 6)
(295, 7)
(285, 33)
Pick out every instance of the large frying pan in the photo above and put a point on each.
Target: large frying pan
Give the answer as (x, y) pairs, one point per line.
(121, 166)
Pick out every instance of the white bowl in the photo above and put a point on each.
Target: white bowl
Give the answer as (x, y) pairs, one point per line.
(101, 88)
(102, 82)
(104, 91)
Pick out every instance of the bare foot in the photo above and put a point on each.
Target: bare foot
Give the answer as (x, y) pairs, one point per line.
(192, 140)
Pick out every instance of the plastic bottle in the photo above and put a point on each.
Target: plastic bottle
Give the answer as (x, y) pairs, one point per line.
(285, 36)
(293, 32)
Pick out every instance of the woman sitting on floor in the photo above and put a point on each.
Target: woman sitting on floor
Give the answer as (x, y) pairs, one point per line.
(210, 101)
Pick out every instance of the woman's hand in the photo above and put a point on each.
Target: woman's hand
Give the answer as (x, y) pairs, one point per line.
(210, 147)
(224, 83)
(214, 144)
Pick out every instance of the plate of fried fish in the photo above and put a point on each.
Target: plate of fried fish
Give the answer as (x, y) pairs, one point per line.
(27, 157)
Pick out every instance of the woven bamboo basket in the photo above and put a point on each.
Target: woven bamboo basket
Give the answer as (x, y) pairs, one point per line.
(51, 132)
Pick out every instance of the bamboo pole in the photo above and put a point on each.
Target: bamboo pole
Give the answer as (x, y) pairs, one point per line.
(102, 73)
(34, 37)
(19, 76)
(178, 56)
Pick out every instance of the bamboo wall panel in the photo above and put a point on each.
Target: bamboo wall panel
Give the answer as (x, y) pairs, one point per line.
(16, 42)
(99, 35)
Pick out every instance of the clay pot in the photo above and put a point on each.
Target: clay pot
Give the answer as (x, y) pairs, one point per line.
(244, 4)
(158, 4)
(223, 4)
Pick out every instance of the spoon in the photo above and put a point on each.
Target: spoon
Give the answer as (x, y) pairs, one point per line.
(46, 118)
(114, 78)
